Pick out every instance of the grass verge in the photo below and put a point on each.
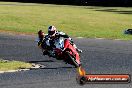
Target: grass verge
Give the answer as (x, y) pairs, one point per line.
(13, 65)
(77, 21)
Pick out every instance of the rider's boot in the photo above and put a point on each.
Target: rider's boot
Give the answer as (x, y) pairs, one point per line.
(45, 53)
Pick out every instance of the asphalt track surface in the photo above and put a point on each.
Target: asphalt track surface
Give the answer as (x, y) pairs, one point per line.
(98, 57)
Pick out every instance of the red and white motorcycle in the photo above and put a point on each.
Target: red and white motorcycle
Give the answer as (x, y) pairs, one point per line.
(65, 50)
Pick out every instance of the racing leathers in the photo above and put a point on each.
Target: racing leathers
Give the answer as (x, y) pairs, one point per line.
(50, 42)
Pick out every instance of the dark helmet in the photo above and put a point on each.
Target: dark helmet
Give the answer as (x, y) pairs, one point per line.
(51, 30)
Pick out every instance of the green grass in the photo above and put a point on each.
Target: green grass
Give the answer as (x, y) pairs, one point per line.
(77, 21)
(13, 65)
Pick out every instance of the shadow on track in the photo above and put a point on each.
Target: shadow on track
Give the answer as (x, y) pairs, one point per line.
(58, 68)
(40, 61)
(50, 67)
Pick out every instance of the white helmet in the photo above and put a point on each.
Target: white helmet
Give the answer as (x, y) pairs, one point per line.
(51, 30)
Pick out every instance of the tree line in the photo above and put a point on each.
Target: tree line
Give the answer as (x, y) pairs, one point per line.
(81, 2)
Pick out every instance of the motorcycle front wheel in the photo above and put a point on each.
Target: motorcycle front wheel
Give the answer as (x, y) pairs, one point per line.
(71, 59)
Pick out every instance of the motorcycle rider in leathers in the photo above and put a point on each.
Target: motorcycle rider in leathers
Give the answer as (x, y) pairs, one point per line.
(47, 41)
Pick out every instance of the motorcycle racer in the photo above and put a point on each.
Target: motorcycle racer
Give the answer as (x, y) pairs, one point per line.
(49, 39)
(53, 34)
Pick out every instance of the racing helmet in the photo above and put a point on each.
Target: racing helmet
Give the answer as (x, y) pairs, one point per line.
(51, 30)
